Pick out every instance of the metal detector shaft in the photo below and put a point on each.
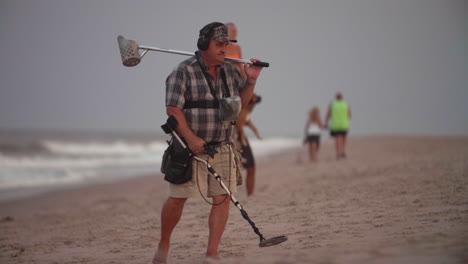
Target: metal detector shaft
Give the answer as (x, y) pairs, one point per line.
(169, 127)
(166, 50)
(261, 64)
(217, 177)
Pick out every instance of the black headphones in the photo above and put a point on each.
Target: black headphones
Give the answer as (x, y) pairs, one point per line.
(204, 37)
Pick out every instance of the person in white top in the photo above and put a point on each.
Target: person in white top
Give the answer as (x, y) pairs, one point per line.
(313, 128)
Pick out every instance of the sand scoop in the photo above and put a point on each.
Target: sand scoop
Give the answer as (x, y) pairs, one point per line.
(169, 128)
(131, 56)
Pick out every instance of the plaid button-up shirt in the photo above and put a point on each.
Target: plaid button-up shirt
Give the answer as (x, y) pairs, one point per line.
(188, 83)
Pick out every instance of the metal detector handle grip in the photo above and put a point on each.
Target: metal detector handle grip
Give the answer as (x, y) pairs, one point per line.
(258, 63)
(169, 128)
(261, 64)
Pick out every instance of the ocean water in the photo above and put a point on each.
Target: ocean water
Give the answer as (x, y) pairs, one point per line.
(32, 164)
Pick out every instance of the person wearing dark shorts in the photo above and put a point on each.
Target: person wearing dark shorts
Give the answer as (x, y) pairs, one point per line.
(248, 161)
(235, 51)
(313, 139)
(343, 133)
(313, 128)
(339, 115)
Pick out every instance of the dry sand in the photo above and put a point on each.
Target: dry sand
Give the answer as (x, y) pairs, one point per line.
(393, 200)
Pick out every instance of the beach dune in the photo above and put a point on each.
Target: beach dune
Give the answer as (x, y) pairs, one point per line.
(395, 199)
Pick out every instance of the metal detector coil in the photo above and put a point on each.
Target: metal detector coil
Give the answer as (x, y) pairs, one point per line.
(272, 241)
(129, 51)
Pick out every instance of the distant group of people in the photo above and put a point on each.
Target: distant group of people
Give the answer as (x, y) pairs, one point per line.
(337, 121)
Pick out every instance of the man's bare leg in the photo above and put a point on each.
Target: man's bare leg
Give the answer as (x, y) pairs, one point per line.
(217, 223)
(170, 216)
(250, 180)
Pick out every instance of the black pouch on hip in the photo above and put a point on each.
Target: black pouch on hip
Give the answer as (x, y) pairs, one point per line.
(176, 163)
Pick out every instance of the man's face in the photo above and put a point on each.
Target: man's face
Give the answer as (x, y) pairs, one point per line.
(216, 52)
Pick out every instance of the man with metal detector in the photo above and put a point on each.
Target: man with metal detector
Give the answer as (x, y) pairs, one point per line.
(205, 95)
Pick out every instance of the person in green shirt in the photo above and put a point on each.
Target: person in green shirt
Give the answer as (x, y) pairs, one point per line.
(337, 120)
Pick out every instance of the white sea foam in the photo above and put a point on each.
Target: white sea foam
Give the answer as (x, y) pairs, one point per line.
(99, 148)
(67, 162)
(268, 146)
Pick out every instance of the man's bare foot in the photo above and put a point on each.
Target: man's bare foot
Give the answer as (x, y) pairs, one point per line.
(159, 258)
(212, 260)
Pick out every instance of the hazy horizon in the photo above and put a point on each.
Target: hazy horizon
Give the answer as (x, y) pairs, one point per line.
(402, 64)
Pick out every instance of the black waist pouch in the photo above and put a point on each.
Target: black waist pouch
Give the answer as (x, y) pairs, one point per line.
(176, 163)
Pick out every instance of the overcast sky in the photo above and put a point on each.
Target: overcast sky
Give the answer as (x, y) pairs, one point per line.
(401, 64)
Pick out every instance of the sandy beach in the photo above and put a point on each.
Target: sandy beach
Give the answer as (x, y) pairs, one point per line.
(395, 199)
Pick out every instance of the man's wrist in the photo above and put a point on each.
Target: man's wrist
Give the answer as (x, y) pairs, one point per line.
(251, 82)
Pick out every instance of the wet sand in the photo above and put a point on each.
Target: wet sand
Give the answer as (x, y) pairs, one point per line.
(395, 199)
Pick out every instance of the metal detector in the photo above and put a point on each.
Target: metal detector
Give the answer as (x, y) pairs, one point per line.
(169, 128)
(129, 50)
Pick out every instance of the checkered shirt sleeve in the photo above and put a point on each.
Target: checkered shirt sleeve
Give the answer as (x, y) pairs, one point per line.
(175, 89)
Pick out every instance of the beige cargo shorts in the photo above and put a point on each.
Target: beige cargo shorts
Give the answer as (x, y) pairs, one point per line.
(226, 165)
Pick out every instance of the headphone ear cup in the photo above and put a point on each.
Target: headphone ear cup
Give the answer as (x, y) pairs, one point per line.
(202, 43)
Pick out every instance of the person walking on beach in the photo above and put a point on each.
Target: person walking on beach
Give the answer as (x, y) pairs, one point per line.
(194, 92)
(339, 116)
(248, 161)
(313, 129)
